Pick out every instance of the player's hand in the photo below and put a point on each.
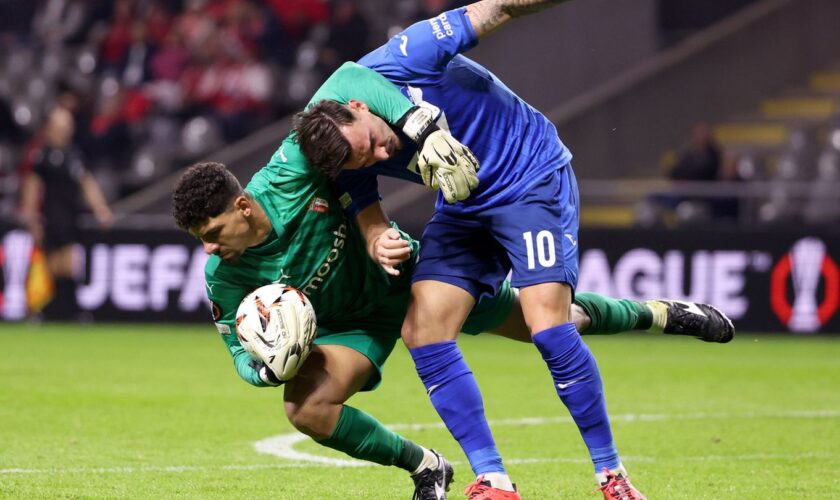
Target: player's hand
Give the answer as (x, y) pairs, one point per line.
(104, 217)
(443, 162)
(389, 250)
(265, 373)
(448, 165)
(36, 229)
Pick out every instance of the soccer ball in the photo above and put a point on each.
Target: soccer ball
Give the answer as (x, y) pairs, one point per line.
(276, 324)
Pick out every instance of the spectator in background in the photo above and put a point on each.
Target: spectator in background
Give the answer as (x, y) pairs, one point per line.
(701, 160)
(59, 21)
(136, 66)
(250, 26)
(9, 129)
(114, 48)
(295, 18)
(15, 22)
(348, 37)
(169, 61)
(49, 206)
(158, 22)
(728, 208)
(108, 136)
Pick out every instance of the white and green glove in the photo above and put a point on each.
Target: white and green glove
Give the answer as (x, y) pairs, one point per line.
(443, 162)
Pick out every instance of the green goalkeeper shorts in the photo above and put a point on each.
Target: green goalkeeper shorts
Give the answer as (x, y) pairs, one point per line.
(376, 335)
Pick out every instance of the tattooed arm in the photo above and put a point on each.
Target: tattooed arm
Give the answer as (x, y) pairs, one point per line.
(489, 15)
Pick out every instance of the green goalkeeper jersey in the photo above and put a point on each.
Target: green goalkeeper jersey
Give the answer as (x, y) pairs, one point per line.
(313, 246)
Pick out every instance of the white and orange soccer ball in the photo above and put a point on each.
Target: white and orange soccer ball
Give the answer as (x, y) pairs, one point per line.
(276, 325)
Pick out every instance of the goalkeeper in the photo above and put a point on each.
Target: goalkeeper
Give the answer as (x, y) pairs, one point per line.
(288, 225)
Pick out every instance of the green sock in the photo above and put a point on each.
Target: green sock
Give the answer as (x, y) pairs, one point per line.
(610, 316)
(361, 436)
(411, 456)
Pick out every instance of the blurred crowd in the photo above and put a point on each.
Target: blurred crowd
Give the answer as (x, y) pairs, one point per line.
(152, 85)
(791, 183)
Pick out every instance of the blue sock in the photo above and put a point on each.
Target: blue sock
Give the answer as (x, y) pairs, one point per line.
(578, 383)
(455, 395)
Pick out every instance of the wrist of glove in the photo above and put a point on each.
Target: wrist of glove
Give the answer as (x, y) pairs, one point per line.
(443, 162)
(268, 376)
(418, 123)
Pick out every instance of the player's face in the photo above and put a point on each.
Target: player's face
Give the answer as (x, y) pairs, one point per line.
(227, 235)
(371, 139)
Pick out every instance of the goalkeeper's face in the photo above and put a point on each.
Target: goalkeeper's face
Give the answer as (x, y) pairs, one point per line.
(228, 234)
(370, 137)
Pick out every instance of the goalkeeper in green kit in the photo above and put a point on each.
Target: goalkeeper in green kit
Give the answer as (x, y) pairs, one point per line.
(288, 225)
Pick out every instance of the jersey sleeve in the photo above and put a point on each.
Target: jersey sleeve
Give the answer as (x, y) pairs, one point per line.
(419, 54)
(359, 189)
(224, 300)
(354, 81)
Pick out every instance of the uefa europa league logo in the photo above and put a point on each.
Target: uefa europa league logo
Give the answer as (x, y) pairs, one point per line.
(807, 264)
(807, 256)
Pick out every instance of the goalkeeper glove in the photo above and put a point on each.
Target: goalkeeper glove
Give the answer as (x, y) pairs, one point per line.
(444, 163)
(266, 374)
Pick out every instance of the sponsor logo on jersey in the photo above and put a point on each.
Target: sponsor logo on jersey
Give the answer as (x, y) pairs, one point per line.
(326, 267)
(441, 27)
(217, 311)
(319, 205)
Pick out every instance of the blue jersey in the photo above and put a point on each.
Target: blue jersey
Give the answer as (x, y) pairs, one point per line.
(516, 145)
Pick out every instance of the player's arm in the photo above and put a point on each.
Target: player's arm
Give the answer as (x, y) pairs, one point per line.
(443, 162)
(384, 243)
(354, 81)
(489, 15)
(224, 300)
(92, 194)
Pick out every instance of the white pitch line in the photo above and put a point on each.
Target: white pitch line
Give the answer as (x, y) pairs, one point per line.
(512, 461)
(283, 446)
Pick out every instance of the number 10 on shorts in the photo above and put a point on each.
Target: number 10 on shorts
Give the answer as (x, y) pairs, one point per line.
(545, 248)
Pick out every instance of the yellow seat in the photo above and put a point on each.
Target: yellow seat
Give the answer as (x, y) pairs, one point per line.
(762, 134)
(805, 107)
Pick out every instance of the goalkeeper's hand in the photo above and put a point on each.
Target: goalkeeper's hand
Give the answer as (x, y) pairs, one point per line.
(448, 165)
(266, 374)
(443, 162)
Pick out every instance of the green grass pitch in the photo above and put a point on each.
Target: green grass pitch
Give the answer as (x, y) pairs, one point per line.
(119, 411)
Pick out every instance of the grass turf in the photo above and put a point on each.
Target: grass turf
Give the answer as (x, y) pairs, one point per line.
(156, 411)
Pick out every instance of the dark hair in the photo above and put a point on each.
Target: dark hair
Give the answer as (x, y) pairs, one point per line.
(316, 130)
(205, 190)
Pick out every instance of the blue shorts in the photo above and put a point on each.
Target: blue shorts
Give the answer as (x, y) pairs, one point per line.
(535, 236)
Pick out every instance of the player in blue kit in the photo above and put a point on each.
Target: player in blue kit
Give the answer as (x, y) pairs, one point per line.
(522, 216)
